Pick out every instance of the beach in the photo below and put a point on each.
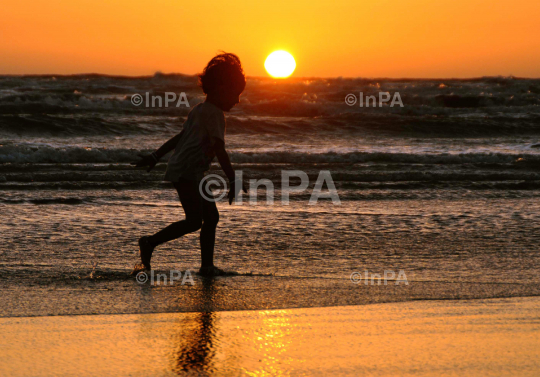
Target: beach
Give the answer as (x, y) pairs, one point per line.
(440, 195)
(497, 337)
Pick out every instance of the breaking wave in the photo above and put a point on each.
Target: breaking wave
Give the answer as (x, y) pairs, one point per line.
(45, 154)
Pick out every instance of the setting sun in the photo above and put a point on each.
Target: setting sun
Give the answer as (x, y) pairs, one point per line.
(280, 64)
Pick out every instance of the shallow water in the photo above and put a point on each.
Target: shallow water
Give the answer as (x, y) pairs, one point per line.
(445, 189)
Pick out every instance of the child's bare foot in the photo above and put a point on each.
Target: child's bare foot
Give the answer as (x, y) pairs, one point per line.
(209, 271)
(145, 252)
(139, 267)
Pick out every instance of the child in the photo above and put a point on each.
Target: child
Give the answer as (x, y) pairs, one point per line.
(202, 138)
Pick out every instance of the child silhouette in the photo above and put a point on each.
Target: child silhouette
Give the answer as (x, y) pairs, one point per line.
(202, 138)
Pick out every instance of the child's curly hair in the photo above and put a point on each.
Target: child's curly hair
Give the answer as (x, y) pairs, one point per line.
(223, 69)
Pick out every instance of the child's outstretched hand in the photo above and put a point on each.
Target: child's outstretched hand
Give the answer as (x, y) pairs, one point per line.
(233, 189)
(146, 160)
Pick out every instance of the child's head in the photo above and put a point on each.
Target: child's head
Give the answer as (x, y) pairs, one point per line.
(223, 80)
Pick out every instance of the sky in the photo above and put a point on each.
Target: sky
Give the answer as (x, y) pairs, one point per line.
(347, 38)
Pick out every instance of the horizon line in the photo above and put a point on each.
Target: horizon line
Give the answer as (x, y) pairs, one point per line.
(158, 73)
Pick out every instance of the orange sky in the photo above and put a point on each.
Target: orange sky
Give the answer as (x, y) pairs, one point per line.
(375, 38)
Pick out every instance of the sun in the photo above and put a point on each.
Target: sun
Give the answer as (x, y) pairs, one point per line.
(280, 64)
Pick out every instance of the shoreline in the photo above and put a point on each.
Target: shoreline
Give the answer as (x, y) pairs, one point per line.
(457, 300)
(227, 294)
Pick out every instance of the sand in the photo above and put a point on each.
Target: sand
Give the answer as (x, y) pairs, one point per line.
(489, 337)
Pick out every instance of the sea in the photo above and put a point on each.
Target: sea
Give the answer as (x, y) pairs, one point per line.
(442, 186)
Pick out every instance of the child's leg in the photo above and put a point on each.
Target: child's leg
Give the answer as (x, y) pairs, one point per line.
(188, 192)
(208, 232)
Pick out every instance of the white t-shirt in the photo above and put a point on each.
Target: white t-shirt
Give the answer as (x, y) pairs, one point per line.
(194, 153)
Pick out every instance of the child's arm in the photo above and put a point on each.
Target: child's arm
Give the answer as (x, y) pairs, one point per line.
(152, 159)
(225, 162)
(168, 146)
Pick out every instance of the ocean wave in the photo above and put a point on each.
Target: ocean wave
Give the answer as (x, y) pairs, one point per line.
(412, 123)
(29, 153)
(96, 104)
(48, 154)
(44, 201)
(381, 157)
(87, 125)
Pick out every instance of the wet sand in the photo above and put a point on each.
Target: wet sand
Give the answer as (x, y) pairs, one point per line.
(117, 293)
(489, 337)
